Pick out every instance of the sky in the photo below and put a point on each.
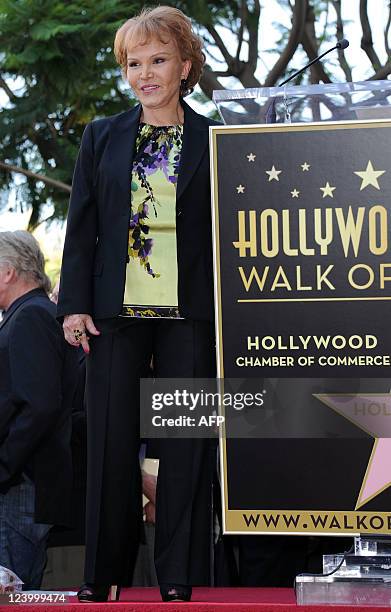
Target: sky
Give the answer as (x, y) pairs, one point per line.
(272, 12)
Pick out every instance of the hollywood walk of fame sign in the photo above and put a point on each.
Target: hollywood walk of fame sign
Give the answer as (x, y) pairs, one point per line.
(302, 235)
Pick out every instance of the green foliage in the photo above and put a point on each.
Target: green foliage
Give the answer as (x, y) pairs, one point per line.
(57, 58)
(60, 57)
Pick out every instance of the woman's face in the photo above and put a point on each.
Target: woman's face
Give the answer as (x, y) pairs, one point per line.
(155, 71)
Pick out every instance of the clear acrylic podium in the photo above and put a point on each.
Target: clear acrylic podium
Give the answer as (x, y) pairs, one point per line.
(331, 102)
(363, 575)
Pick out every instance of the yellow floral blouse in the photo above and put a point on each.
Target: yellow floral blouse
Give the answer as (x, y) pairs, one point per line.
(152, 270)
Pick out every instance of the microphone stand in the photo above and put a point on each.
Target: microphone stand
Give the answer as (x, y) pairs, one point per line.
(271, 111)
(341, 44)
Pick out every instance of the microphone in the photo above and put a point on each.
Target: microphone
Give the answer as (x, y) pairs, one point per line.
(341, 44)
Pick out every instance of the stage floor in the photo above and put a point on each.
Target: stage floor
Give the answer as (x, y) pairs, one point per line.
(204, 600)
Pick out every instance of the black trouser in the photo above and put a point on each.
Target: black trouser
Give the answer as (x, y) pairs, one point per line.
(118, 358)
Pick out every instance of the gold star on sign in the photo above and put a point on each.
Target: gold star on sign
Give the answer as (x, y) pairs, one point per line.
(327, 190)
(251, 157)
(305, 167)
(273, 174)
(369, 176)
(295, 193)
(240, 189)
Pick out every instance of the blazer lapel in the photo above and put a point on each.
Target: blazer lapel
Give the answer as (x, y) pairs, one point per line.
(195, 142)
(121, 148)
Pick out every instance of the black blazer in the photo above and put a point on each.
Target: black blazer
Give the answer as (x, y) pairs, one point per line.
(96, 244)
(38, 374)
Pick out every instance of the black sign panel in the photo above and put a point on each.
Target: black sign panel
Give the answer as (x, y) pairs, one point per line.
(302, 219)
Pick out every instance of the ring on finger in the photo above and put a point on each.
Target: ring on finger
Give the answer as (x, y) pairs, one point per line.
(78, 334)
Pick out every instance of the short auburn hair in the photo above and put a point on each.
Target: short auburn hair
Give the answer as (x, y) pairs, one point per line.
(164, 23)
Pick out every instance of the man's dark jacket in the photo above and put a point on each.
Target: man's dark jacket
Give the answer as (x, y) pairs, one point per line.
(96, 245)
(38, 373)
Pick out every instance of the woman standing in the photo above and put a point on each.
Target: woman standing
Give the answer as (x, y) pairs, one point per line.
(137, 281)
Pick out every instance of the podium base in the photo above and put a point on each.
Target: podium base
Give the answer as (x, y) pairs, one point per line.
(338, 591)
(362, 577)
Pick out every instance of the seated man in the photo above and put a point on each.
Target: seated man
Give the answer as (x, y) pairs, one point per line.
(38, 373)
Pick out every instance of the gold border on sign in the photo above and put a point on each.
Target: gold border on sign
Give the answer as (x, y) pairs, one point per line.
(329, 299)
(381, 524)
(231, 521)
(218, 311)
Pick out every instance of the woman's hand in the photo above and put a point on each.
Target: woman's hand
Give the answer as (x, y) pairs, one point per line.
(75, 328)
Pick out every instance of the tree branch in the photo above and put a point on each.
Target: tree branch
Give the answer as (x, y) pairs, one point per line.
(68, 123)
(221, 46)
(243, 71)
(253, 29)
(310, 46)
(326, 23)
(209, 82)
(72, 116)
(247, 78)
(366, 40)
(386, 31)
(52, 129)
(382, 73)
(48, 148)
(209, 52)
(337, 4)
(35, 176)
(222, 73)
(242, 14)
(295, 36)
(7, 89)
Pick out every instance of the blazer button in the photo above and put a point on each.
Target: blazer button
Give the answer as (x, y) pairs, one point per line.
(179, 212)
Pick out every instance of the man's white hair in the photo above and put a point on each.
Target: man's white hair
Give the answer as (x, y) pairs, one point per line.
(21, 251)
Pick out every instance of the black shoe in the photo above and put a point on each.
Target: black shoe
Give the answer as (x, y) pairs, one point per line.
(98, 593)
(175, 592)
